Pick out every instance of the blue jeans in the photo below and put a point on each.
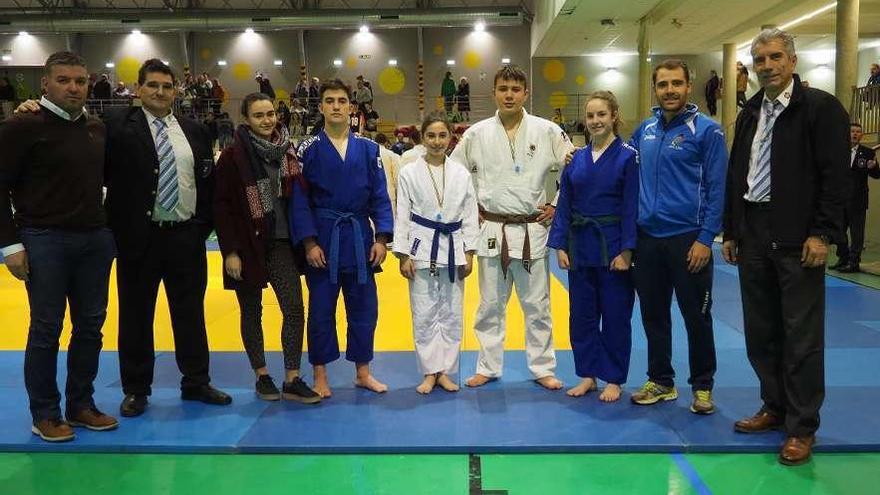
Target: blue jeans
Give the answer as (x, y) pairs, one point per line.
(66, 266)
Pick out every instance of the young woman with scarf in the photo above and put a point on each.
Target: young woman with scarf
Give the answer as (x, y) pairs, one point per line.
(254, 178)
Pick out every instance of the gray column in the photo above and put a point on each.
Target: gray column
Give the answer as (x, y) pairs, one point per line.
(645, 86)
(847, 46)
(184, 51)
(728, 99)
(303, 59)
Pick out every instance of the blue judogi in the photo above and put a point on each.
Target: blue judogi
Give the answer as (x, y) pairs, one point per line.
(595, 220)
(334, 203)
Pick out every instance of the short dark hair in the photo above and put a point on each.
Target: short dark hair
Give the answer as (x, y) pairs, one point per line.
(380, 138)
(63, 58)
(250, 100)
(155, 65)
(855, 124)
(672, 64)
(435, 117)
(333, 85)
(511, 73)
(416, 136)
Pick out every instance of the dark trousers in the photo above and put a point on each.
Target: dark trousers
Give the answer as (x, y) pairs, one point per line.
(361, 309)
(284, 278)
(784, 316)
(598, 296)
(177, 258)
(854, 240)
(660, 269)
(712, 105)
(65, 267)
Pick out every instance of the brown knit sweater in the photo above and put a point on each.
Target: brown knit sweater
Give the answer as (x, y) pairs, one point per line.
(52, 170)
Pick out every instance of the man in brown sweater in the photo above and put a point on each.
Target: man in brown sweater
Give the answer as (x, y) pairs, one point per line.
(58, 243)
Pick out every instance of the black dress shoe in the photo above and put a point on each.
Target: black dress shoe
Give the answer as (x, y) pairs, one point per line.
(133, 405)
(850, 268)
(206, 394)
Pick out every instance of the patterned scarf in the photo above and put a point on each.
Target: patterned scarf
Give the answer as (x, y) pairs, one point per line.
(278, 153)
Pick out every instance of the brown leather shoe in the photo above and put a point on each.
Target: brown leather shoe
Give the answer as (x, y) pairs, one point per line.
(760, 422)
(796, 450)
(53, 430)
(93, 419)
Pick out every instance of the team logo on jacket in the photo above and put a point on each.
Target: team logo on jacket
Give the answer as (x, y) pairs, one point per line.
(531, 151)
(676, 142)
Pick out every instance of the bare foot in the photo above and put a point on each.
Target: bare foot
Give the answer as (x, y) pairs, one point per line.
(610, 393)
(370, 383)
(322, 386)
(549, 382)
(447, 384)
(586, 386)
(427, 384)
(478, 380)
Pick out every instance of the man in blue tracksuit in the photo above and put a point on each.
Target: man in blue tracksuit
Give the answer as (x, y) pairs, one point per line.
(681, 199)
(339, 200)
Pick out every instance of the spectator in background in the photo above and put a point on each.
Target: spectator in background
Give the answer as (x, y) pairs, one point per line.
(874, 77)
(225, 130)
(447, 91)
(391, 164)
(301, 91)
(742, 83)
(362, 95)
(463, 97)
(121, 91)
(355, 119)
(371, 118)
(298, 117)
(102, 88)
(312, 103)
(218, 94)
(711, 92)
(400, 145)
(265, 85)
(283, 114)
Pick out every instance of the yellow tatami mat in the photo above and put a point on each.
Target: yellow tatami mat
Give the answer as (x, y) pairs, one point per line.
(394, 332)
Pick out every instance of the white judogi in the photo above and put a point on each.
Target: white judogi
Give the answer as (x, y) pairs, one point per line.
(411, 155)
(391, 165)
(435, 302)
(509, 177)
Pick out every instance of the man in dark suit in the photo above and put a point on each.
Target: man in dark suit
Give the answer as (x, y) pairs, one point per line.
(862, 164)
(786, 187)
(159, 208)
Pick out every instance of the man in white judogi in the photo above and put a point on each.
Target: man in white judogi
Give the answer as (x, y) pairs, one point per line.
(510, 156)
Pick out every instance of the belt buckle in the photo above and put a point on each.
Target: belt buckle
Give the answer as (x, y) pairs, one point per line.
(433, 269)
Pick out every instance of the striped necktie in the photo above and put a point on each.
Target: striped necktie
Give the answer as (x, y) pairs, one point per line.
(168, 186)
(761, 184)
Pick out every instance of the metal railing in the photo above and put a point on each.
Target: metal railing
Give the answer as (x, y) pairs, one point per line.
(865, 108)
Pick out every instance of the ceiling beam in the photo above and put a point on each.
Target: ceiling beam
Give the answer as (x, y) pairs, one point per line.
(735, 34)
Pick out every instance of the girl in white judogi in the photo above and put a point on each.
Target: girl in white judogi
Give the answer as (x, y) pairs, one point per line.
(436, 211)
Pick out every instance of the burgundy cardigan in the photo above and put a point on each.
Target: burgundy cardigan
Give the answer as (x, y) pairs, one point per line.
(235, 228)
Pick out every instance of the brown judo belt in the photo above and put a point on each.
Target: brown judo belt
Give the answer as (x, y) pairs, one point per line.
(506, 220)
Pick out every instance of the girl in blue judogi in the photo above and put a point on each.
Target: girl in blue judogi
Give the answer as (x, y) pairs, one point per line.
(594, 232)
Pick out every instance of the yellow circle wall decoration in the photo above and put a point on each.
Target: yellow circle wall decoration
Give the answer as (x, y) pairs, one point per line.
(242, 71)
(472, 59)
(392, 80)
(554, 70)
(282, 95)
(581, 80)
(205, 53)
(558, 99)
(127, 70)
(438, 49)
(351, 62)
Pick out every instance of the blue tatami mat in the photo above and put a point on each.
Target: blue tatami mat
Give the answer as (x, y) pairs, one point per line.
(510, 415)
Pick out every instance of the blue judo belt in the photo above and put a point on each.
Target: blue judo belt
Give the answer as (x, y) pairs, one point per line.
(446, 229)
(578, 221)
(340, 217)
